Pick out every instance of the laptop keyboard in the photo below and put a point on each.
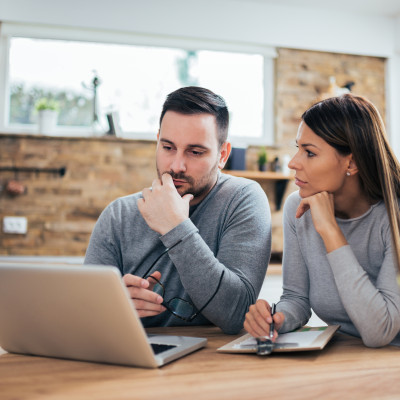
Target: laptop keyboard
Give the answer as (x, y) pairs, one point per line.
(159, 348)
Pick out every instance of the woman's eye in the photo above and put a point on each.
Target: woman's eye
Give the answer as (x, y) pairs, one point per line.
(310, 153)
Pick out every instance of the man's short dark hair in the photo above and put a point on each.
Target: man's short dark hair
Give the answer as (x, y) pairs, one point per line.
(197, 100)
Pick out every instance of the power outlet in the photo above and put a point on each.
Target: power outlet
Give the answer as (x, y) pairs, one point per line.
(15, 225)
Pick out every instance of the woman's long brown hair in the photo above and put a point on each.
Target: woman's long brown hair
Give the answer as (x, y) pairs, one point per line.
(352, 125)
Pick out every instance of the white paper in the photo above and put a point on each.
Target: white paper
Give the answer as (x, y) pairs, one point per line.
(302, 338)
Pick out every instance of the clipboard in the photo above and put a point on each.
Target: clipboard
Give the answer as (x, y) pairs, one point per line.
(302, 339)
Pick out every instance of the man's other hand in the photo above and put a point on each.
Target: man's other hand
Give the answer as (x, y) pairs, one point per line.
(147, 302)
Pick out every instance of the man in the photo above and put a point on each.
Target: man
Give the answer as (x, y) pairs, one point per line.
(204, 236)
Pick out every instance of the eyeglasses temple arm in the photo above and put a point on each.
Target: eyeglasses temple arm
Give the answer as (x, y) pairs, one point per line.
(208, 302)
(155, 261)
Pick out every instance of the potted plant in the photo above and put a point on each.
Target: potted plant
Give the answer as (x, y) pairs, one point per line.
(47, 115)
(262, 159)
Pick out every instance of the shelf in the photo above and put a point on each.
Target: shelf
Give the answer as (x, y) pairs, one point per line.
(260, 175)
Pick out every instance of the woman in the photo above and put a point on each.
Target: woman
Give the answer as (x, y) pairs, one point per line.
(341, 229)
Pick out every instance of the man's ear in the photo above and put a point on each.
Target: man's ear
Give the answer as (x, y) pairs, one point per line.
(158, 135)
(225, 151)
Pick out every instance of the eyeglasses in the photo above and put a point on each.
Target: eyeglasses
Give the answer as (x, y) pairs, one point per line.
(177, 306)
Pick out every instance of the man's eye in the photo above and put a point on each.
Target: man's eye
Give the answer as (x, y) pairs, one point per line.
(167, 147)
(197, 153)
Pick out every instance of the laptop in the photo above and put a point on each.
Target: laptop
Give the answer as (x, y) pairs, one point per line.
(80, 313)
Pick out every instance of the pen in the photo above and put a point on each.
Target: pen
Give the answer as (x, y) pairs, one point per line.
(272, 326)
(265, 345)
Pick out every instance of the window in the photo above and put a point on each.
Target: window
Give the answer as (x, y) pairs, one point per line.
(132, 79)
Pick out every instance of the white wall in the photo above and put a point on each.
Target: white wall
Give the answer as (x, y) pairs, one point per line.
(237, 21)
(232, 21)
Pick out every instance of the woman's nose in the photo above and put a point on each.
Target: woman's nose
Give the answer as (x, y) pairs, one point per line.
(293, 163)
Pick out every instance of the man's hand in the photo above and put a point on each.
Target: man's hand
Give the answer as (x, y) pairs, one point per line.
(162, 207)
(147, 302)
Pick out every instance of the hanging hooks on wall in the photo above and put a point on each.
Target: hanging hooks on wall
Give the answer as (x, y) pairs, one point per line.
(14, 187)
(58, 171)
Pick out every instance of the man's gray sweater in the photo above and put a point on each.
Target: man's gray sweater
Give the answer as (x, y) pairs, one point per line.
(230, 230)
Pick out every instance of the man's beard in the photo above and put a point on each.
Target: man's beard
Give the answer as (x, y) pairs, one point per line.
(197, 189)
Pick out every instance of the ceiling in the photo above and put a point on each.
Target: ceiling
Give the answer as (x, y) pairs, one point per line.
(385, 8)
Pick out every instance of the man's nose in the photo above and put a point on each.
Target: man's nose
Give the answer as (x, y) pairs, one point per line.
(178, 163)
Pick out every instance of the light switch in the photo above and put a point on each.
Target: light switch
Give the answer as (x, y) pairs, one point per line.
(15, 225)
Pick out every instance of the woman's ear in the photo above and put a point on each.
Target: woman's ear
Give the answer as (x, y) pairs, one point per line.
(352, 166)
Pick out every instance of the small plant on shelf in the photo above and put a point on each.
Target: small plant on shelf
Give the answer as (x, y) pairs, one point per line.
(47, 104)
(262, 159)
(47, 109)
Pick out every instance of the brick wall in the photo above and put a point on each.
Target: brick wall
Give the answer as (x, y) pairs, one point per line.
(302, 77)
(61, 211)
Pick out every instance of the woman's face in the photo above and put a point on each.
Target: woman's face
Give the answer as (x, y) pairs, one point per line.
(319, 167)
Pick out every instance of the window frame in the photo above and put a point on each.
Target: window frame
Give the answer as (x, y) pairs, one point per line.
(10, 30)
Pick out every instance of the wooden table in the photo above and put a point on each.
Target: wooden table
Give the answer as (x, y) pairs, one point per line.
(345, 369)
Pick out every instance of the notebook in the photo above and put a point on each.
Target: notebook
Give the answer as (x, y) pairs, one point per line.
(302, 339)
(80, 313)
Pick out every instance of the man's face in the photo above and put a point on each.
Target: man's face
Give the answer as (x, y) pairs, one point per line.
(187, 149)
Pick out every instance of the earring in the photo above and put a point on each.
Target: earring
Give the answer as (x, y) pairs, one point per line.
(348, 173)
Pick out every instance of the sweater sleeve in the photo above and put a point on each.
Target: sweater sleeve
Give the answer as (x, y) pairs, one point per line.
(373, 308)
(103, 246)
(294, 302)
(243, 254)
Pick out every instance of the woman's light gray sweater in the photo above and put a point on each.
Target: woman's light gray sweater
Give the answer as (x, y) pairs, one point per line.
(354, 286)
